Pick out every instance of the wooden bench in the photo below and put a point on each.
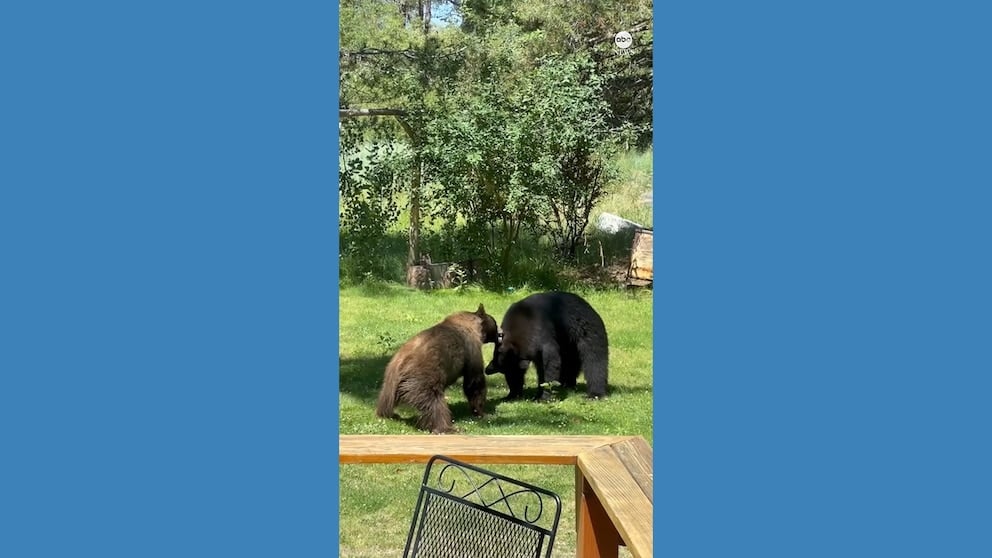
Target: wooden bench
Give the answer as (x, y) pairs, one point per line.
(614, 476)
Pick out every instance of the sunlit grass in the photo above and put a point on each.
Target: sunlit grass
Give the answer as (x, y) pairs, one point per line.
(625, 197)
(376, 318)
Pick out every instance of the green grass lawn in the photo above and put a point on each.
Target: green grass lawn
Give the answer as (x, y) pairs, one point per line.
(376, 318)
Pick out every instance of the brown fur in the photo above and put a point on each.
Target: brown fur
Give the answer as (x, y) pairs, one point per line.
(433, 360)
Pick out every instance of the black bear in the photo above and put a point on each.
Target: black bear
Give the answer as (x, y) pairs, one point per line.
(562, 334)
(433, 360)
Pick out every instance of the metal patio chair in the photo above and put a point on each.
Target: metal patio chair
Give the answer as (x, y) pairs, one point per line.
(464, 511)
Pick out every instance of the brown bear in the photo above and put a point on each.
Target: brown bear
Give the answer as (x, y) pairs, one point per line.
(433, 360)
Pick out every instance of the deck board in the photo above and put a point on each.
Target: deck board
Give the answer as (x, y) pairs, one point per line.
(623, 498)
(637, 456)
(522, 449)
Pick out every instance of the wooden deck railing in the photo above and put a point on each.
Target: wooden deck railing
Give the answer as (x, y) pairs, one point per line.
(614, 476)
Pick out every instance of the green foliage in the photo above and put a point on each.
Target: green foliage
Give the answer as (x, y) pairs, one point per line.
(532, 156)
(470, 159)
(570, 146)
(387, 342)
(459, 276)
(587, 27)
(370, 176)
(515, 121)
(536, 267)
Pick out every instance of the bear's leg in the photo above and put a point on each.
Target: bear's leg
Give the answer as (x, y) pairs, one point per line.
(437, 417)
(570, 366)
(569, 370)
(434, 412)
(474, 386)
(596, 368)
(514, 381)
(541, 394)
(548, 369)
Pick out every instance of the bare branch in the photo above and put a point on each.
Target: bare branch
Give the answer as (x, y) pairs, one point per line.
(408, 53)
(398, 113)
(353, 113)
(636, 28)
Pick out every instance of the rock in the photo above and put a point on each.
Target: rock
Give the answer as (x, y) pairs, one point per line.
(610, 223)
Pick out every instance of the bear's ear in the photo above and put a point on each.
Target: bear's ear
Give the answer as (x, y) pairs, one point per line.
(481, 311)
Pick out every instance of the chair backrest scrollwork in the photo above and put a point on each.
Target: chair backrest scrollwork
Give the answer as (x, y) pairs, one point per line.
(465, 511)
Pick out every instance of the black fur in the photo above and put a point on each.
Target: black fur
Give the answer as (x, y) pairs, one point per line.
(561, 334)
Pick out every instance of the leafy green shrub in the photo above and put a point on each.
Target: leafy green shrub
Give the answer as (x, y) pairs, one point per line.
(370, 176)
(532, 156)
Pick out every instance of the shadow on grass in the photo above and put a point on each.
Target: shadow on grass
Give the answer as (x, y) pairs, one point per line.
(530, 414)
(599, 261)
(361, 377)
(580, 390)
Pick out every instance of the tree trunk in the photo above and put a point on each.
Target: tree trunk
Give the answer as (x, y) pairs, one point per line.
(413, 238)
(413, 241)
(425, 15)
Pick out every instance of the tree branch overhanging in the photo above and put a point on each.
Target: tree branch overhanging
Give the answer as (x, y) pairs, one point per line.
(368, 51)
(354, 113)
(408, 53)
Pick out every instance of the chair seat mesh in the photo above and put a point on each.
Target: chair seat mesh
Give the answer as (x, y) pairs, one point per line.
(464, 511)
(451, 528)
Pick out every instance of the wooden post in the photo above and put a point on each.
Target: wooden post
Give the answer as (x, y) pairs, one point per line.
(413, 238)
(413, 244)
(597, 537)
